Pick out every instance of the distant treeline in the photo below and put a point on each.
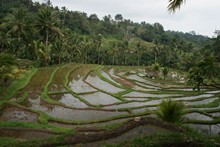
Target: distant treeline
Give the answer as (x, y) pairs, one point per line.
(48, 35)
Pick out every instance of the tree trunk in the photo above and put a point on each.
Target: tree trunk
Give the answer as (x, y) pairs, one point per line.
(113, 60)
(47, 35)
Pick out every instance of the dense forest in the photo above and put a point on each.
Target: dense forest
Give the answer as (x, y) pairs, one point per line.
(47, 35)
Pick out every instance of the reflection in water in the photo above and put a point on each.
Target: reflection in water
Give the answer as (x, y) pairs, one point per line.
(79, 86)
(148, 95)
(195, 97)
(75, 115)
(100, 98)
(202, 102)
(198, 116)
(104, 74)
(70, 100)
(134, 104)
(100, 84)
(139, 79)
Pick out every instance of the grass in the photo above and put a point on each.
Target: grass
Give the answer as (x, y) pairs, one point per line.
(18, 84)
(7, 141)
(30, 125)
(111, 126)
(185, 139)
(22, 98)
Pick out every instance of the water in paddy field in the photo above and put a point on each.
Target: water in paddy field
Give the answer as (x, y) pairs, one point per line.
(93, 99)
(95, 81)
(201, 102)
(198, 116)
(71, 101)
(60, 112)
(104, 74)
(100, 98)
(134, 104)
(195, 97)
(79, 86)
(148, 95)
(139, 79)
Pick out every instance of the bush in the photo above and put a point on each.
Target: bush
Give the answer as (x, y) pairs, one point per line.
(165, 72)
(170, 111)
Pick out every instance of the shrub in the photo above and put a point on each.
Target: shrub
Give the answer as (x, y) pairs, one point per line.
(165, 72)
(170, 111)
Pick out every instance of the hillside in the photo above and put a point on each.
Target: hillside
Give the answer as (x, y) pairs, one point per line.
(48, 35)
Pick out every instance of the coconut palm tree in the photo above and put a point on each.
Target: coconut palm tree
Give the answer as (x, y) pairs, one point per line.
(174, 4)
(42, 52)
(17, 23)
(46, 22)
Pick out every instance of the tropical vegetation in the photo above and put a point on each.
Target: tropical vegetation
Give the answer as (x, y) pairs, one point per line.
(170, 111)
(47, 35)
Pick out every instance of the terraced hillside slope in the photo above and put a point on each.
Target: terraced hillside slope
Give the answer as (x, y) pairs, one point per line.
(74, 99)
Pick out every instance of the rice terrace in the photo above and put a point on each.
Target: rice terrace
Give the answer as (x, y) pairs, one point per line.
(82, 100)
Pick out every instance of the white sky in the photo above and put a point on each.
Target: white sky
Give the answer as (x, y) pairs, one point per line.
(201, 16)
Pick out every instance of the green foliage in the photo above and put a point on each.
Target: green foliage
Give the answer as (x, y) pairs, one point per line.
(174, 4)
(204, 73)
(18, 84)
(170, 111)
(165, 72)
(156, 67)
(187, 138)
(35, 126)
(6, 141)
(49, 35)
(43, 53)
(6, 67)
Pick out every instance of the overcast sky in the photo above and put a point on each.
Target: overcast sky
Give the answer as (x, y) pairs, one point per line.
(201, 16)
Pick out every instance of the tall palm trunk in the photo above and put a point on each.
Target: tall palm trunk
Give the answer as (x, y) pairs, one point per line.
(47, 36)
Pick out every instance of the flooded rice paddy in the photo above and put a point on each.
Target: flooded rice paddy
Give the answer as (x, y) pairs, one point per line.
(86, 93)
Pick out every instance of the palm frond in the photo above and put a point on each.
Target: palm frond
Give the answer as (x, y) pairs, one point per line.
(175, 4)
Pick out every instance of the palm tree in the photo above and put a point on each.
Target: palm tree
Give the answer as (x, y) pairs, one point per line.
(17, 23)
(174, 4)
(46, 22)
(42, 52)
